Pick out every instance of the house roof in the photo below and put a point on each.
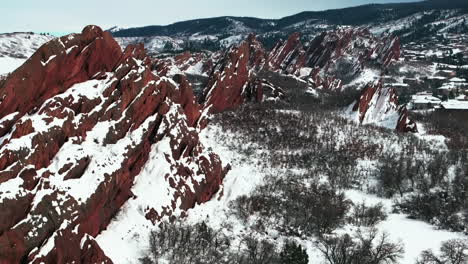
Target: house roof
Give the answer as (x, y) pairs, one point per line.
(424, 98)
(455, 105)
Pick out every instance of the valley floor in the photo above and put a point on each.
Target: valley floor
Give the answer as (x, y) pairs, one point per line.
(252, 166)
(246, 174)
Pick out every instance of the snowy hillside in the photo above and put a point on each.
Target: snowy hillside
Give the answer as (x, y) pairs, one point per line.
(409, 20)
(15, 48)
(9, 64)
(259, 168)
(238, 140)
(21, 45)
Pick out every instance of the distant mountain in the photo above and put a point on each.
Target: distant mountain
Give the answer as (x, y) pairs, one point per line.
(409, 20)
(360, 15)
(102, 148)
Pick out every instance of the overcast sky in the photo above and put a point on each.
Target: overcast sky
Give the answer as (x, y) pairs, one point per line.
(71, 16)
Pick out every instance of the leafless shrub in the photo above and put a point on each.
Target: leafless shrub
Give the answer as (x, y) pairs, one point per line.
(363, 215)
(452, 252)
(367, 248)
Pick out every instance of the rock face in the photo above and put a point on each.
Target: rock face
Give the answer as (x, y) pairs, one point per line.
(233, 75)
(288, 56)
(378, 105)
(185, 63)
(83, 57)
(333, 57)
(328, 62)
(336, 58)
(78, 122)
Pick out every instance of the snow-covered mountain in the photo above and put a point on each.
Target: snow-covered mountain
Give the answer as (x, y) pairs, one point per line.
(255, 150)
(408, 20)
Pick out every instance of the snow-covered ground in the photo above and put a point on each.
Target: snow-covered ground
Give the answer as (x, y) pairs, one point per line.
(8, 64)
(126, 238)
(416, 236)
(21, 45)
(246, 174)
(242, 179)
(15, 48)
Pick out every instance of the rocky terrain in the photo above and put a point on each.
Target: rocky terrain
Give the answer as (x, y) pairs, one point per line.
(73, 146)
(254, 150)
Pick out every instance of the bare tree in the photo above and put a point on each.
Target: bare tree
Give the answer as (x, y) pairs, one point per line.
(369, 248)
(452, 252)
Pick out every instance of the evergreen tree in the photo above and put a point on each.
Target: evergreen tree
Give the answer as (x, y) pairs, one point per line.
(168, 47)
(294, 254)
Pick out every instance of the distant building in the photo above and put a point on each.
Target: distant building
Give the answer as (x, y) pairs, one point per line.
(424, 100)
(446, 73)
(454, 106)
(457, 80)
(457, 85)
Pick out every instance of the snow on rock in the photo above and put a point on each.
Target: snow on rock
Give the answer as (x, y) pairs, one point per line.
(378, 105)
(97, 52)
(93, 126)
(200, 64)
(232, 80)
(333, 56)
(289, 56)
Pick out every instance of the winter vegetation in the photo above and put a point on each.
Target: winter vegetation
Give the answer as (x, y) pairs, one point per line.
(200, 150)
(338, 190)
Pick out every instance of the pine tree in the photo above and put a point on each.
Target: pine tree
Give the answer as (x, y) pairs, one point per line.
(294, 254)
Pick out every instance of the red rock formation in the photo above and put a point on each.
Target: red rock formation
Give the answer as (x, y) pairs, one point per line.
(78, 121)
(327, 82)
(288, 56)
(389, 50)
(332, 56)
(233, 74)
(378, 105)
(259, 90)
(185, 63)
(83, 56)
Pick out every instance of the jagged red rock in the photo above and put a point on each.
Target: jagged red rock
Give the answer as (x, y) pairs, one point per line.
(378, 105)
(95, 52)
(91, 95)
(233, 74)
(196, 63)
(320, 59)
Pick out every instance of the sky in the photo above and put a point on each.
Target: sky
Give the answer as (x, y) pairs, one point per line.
(62, 16)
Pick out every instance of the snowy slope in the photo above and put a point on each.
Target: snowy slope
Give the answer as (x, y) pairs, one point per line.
(15, 48)
(416, 236)
(9, 64)
(246, 174)
(153, 44)
(127, 237)
(21, 45)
